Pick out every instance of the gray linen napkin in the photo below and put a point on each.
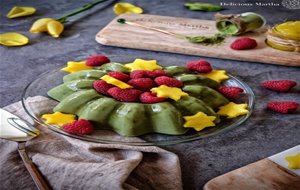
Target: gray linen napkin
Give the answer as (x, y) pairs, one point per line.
(68, 163)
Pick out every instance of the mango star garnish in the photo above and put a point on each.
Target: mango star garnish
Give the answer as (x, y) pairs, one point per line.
(122, 8)
(76, 66)
(294, 161)
(199, 121)
(164, 91)
(115, 82)
(216, 75)
(13, 39)
(18, 11)
(140, 64)
(232, 110)
(59, 118)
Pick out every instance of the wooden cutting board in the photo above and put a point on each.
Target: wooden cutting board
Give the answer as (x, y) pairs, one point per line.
(123, 35)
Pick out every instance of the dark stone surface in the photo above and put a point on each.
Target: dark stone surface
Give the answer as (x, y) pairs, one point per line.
(264, 134)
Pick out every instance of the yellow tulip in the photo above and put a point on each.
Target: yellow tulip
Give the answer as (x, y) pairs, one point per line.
(53, 27)
(121, 8)
(13, 39)
(20, 11)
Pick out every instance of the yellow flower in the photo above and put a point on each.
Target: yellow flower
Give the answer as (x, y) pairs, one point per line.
(53, 27)
(20, 11)
(13, 39)
(121, 8)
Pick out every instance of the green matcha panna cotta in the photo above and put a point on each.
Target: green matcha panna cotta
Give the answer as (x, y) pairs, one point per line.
(78, 96)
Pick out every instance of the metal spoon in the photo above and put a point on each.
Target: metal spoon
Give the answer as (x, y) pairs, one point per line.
(31, 133)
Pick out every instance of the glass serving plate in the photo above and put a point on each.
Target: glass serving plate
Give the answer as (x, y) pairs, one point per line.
(46, 81)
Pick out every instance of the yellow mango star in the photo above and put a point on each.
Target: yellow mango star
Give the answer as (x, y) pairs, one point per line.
(76, 66)
(122, 8)
(59, 118)
(294, 161)
(216, 75)
(18, 11)
(115, 82)
(140, 64)
(13, 39)
(232, 110)
(164, 91)
(199, 121)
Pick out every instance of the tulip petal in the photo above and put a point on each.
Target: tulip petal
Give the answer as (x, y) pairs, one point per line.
(121, 8)
(20, 11)
(13, 39)
(55, 28)
(40, 25)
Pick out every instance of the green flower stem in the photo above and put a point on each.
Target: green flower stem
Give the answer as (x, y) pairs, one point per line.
(64, 18)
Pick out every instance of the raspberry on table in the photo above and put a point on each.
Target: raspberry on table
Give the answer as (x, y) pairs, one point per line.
(279, 85)
(283, 107)
(243, 44)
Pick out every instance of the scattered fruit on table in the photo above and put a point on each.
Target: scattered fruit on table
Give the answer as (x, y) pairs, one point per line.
(243, 43)
(279, 85)
(283, 107)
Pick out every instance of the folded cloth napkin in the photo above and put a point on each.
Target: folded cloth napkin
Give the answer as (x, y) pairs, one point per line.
(68, 163)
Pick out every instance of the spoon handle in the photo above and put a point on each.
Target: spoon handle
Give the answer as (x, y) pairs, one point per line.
(33, 171)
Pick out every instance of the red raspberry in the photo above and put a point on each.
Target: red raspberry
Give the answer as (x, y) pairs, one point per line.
(97, 60)
(102, 86)
(200, 66)
(119, 75)
(81, 126)
(143, 84)
(158, 73)
(279, 85)
(125, 95)
(172, 82)
(230, 91)
(140, 74)
(243, 43)
(150, 98)
(283, 107)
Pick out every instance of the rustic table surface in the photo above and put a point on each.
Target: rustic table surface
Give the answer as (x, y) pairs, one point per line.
(264, 134)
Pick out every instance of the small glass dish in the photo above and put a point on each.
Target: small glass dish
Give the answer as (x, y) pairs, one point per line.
(46, 81)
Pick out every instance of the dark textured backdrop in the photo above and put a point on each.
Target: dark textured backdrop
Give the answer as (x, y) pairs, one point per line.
(264, 134)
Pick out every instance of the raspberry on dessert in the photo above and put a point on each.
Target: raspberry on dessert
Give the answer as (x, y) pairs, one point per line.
(119, 75)
(81, 126)
(158, 73)
(283, 107)
(97, 60)
(199, 66)
(140, 74)
(102, 86)
(150, 98)
(279, 85)
(143, 84)
(230, 91)
(125, 95)
(168, 81)
(243, 43)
